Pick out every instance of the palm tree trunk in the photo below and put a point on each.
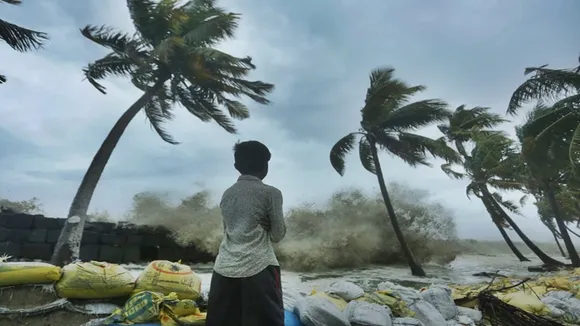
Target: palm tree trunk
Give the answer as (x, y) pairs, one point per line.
(416, 268)
(558, 243)
(69, 241)
(506, 238)
(572, 253)
(510, 243)
(547, 260)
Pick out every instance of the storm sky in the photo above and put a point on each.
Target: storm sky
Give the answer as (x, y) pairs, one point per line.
(317, 53)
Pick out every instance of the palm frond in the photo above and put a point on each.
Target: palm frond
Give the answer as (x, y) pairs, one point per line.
(416, 115)
(509, 205)
(21, 39)
(384, 94)
(447, 168)
(411, 155)
(574, 151)
(209, 27)
(12, 2)
(339, 151)
(545, 84)
(143, 15)
(2, 79)
(523, 200)
(472, 189)
(158, 111)
(366, 156)
(437, 148)
(109, 38)
(110, 65)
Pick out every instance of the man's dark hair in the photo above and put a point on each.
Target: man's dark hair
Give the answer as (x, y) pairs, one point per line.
(251, 156)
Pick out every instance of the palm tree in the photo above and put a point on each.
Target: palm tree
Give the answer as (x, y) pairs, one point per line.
(492, 163)
(459, 130)
(172, 59)
(388, 120)
(19, 38)
(547, 157)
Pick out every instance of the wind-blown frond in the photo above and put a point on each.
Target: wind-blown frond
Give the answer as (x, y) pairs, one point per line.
(415, 115)
(509, 205)
(437, 148)
(110, 65)
(107, 37)
(385, 94)
(366, 156)
(393, 145)
(158, 111)
(447, 168)
(143, 15)
(339, 151)
(21, 39)
(545, 84)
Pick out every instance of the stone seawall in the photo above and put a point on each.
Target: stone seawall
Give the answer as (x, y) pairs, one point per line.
(33, 237)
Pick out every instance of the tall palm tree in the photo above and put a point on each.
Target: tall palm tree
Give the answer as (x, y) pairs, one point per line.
(547, 157)
(492, 163)
(459, 130)
(388, 122)
(172, 59)
(19, 38)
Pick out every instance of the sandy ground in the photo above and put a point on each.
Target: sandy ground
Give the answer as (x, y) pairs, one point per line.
(34, 296)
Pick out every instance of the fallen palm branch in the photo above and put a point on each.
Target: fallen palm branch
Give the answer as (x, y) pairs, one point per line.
(41, 310)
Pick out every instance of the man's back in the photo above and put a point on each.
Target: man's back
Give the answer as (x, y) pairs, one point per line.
(247, 247)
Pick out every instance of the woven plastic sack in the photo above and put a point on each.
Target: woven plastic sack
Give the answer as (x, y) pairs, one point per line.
(346, 290)
(440, 298)
(289, 297)
(166, 277)
(28, 273)
(94, 280)
(318, 311)
(142, 307)
(407, 321)
(362, 313)
(427, 314)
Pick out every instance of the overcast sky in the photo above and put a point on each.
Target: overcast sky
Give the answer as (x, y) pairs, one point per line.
(317, 53)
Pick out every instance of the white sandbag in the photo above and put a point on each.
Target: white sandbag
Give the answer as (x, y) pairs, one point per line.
(317, 311)
(407, 294)
(555, 302)
(362, 313)
(346, 290)
(473, 314)
(440, 297)
(407, 321)
(427, 314)
(460, 321)
(289, 297)
(560, 295)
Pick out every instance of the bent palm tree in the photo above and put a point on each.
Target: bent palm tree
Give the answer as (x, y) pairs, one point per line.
(387, 121)
(19, 38)
(459, 130)
(492, 163)
(172, 60)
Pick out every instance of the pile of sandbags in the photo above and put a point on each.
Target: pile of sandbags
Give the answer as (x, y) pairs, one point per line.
(345, 303)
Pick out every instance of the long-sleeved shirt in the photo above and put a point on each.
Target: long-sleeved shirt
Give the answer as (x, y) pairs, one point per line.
(246, 248)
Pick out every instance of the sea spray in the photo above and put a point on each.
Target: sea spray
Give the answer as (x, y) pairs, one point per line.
(351, 230)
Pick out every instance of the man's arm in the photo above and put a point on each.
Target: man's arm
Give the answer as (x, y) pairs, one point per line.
(277, 224)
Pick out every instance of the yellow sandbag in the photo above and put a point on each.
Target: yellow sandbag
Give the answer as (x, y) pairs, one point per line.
(165, 277)
(389, 299)
(190, 320)
(526, 302)
(560, 283)
(94, 280)
(536, 290)
(180, 307)
(337, 301)
(28, 273)
(142, 307)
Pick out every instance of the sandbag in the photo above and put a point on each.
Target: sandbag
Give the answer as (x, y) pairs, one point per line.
(407, 294)
(142, 307)
(346, 290)
(166, 277)
(526, 302)
(386, 298)
(337, 301)
(473, 314)
(407, 321)
(427, 314)
(318, 311)
(28, 273)
(94, 280)
(289, 297)
(440, 298)
(460, 321)
(362, 313)
(193, 319)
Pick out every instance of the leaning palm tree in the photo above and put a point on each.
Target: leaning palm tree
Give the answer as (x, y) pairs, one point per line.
(173, 60)
(388, 120)
(19, 38)
(491, 164)
(459, 130)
